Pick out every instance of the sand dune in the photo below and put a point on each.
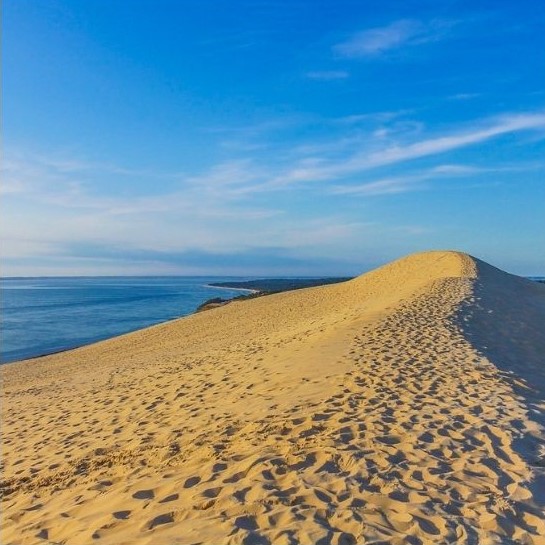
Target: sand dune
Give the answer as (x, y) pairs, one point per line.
(404, 406)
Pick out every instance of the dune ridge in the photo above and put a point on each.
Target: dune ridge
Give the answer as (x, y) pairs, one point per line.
(404, 406)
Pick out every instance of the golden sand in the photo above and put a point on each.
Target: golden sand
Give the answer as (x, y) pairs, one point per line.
(403, 406)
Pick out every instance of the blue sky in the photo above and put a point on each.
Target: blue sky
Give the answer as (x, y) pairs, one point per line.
(270, 137)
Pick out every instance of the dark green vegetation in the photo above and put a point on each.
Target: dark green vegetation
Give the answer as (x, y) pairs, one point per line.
(275, 285)
(266, 286)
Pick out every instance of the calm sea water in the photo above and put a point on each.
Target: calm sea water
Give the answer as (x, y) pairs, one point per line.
(45, 315)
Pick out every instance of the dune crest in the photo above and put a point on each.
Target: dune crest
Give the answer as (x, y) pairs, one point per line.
(404, 406)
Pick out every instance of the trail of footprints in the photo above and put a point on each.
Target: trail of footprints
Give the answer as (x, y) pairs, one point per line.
(381, 459)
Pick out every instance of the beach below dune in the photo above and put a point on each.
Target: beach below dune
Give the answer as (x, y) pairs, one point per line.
(383, 409)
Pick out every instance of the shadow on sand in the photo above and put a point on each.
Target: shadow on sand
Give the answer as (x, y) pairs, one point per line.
(506, 324)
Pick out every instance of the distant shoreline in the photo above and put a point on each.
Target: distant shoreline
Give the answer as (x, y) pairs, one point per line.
(234, 289)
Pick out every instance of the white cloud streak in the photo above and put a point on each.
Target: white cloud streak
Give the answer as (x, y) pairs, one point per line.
(327, 75)
(464, 96)
(414, 182)
(215, 191)
(434, 146)
(374, 42)
(373, 117)
(316, 170)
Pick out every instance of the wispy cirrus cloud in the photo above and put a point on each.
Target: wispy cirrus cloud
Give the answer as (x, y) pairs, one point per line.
(318, 169)
(386, 186)
(328, 75)
(464, 96)
(374, 42)
(334, 160)
(418, 181)
(372, 117)
(441, 144)
(27, 177)
(229, 181)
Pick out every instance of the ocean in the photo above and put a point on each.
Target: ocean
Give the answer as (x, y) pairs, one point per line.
(46, 315)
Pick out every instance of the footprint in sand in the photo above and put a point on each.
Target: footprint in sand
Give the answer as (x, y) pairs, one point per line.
(161, 519)
(144, 495)
(191, 482)
(172, 497)
(122, 515)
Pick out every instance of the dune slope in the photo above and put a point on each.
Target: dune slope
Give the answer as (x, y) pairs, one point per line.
(404, 406)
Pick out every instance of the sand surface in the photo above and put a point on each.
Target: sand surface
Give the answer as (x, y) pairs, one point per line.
(404, 406)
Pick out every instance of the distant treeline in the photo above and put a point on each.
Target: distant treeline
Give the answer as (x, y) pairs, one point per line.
(275, 285)
(266, 286)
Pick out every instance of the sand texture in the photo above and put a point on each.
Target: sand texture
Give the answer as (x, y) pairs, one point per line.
(405, 406)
